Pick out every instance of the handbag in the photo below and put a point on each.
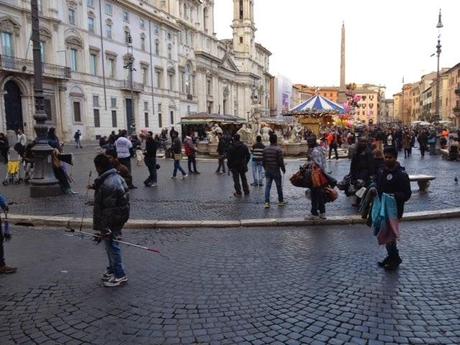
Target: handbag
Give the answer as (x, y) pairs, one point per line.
(177, 156)
(330, 194)
(318, 178)
(302, 178)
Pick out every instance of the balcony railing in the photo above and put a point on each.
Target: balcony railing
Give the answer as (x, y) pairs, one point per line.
(137, 87)
(14, 64)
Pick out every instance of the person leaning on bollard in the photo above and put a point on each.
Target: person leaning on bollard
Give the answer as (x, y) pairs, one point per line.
(5, 235)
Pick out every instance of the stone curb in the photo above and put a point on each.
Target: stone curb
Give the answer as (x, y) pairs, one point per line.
(72, 222)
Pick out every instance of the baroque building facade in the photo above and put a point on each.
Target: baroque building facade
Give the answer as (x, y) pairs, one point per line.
(130, 64)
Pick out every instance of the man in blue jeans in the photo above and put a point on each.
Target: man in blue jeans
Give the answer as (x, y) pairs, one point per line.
(257, 164)
(111, 212)
(273, 163)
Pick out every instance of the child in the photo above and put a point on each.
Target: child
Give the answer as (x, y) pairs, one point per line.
(393, 188)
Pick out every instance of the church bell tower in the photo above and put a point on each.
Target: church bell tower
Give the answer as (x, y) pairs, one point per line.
(243, 27)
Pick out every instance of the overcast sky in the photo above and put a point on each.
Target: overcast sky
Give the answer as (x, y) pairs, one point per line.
(386, 39)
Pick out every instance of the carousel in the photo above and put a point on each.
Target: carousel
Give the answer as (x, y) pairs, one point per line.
(316, 112)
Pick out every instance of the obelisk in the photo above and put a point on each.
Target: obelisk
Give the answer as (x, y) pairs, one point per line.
(342, 96)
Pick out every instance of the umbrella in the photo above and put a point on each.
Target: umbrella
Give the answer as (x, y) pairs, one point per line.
(318, 104)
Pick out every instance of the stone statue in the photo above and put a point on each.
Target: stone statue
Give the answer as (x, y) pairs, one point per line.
(245, 133)
(266, 134)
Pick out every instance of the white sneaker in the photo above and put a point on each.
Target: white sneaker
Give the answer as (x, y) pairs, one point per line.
(113, 282)
(184, 176)
(153, 185)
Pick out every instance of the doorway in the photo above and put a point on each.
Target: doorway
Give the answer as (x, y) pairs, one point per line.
(13, 106)
(130, 124)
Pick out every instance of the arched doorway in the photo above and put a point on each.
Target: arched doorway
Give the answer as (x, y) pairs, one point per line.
(13, 106)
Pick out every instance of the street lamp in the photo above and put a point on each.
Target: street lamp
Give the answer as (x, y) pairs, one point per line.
(130, 67)
(438, 54)
(43, 182)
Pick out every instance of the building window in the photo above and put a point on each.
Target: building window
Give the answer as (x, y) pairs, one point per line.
(160, 118)
(171, 82)
(145, 75)
(157, 47)
(74, 59)
(76, 112)
(90, 24)
(108, 31)
(146, 106)
(72, 16)
(126, 16)
(205, 19)
(127, 37)
(111, 67)
(146, 119)
(7, 44)
(241, 39)
(42, 51)
(169, 51)
(90, 3)
(113, 102)
(108, 9)
(97, 118)
(241, 9)
(208, 87)
(143, 42)
(95, 101)
(158, 76)
(142, 24)
(171, 117)
(114, 118)
(93, 64)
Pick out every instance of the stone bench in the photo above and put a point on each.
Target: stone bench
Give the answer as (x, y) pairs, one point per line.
(423, 181)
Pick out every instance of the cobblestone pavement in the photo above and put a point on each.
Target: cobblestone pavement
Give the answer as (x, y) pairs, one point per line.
(210, 196)
(236, 286)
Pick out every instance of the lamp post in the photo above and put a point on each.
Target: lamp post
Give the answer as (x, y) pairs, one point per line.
(130, 67)
(43, 182)
(438, 54)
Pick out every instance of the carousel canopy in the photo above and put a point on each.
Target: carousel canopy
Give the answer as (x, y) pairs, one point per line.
(204, 118)
(317, 105)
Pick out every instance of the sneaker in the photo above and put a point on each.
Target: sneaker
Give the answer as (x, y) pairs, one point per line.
(267, 205)
(107, 276)
(184, 176)
(7, 269)
(312, 217)
(113, 282)
(254, 184)
(282, 203)
(154, 185)
(197, 173)
(322, 215)
(237, 194)
(173, 177)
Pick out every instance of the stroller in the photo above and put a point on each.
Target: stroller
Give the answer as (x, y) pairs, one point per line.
(13, 170)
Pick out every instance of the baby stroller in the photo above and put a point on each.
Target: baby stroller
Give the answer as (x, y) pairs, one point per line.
(12, 172)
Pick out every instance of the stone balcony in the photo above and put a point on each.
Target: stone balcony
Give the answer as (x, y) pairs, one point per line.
(25, 66)
(137, 87)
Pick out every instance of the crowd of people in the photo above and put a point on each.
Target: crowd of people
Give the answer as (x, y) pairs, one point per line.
(374, 168)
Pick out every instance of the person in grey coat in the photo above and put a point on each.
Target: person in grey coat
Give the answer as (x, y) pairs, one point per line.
(111, 212)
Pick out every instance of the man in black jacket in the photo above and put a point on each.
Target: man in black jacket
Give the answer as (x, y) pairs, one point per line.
(150, 159)
(237, 160)
(111, 212)
(393, 180)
